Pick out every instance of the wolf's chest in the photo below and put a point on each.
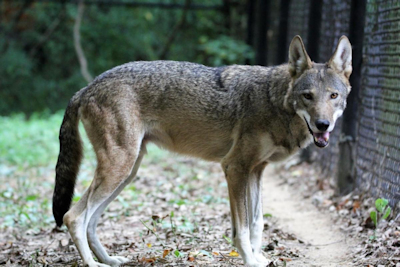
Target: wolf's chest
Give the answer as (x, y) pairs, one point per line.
(272, 150)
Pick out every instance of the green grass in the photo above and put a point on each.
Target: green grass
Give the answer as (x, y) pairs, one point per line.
(26, 143)
(28, 153)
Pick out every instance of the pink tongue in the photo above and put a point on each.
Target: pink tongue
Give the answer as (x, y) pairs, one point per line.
(322, 137)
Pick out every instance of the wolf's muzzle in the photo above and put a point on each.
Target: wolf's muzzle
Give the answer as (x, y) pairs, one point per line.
(320, 139)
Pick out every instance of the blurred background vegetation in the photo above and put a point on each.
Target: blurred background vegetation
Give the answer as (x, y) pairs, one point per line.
(45, 43)
(39, 66)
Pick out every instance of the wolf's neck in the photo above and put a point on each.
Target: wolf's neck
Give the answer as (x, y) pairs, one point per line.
(279, 88)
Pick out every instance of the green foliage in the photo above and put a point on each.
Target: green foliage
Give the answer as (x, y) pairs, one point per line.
(179, 254)
(16, 71)
(374, 217)
(38, 76)
(224, 50)
(381, 204)
(382, 212)
(39, 67)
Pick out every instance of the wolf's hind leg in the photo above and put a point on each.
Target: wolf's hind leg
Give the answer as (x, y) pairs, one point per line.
(94, 242)
(76, 222)
(116, 135)
(109, 179)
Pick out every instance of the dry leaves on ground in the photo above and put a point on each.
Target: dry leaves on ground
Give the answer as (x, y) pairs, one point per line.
(175, 213)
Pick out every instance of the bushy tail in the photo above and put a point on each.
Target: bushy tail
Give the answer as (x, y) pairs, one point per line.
(68, 162)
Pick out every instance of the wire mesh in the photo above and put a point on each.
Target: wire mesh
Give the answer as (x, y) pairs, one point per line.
(335, 23)
(298, 20)
(378, 142)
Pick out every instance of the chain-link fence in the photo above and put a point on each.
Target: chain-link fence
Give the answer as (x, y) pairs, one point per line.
(375, 146)
(378, 139)
(298, 19)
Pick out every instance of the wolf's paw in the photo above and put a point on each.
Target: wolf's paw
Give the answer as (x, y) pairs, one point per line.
(95, 264)
(115, 261)
(261, 259)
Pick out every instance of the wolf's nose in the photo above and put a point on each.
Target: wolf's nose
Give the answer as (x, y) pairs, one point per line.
(322, 125)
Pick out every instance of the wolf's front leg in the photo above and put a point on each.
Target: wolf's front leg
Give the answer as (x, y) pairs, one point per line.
(254, 206)
(238, 183)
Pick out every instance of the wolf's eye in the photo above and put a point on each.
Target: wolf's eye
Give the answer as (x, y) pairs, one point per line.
(307, 96)
(334, 95)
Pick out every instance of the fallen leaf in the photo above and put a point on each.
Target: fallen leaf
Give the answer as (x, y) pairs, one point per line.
(148, 245)
(177, 253)
(233, 253)
(190, 258)
(147, 260)
(342, 204)
(356, 205)
(165, 253)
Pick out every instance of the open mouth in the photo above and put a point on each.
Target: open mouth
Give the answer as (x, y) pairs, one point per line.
(320, 139)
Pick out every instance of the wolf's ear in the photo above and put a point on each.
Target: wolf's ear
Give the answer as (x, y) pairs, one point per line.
(341, 59)
(299, 61)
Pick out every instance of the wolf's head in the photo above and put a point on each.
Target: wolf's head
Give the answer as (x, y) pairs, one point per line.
(318, 92)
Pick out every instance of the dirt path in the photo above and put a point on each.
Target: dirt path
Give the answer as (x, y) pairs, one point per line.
(324, 244)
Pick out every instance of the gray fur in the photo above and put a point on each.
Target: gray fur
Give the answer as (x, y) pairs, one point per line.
(240, 116)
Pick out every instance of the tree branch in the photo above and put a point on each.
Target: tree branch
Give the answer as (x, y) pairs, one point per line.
(77, 43)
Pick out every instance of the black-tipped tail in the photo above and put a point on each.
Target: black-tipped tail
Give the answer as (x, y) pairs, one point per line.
(68, 162)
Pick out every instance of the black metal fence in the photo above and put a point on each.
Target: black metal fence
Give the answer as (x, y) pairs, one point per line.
(364, 152)
(378, 137)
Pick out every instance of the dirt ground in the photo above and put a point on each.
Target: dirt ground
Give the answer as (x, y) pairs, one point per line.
(322, 243)
(177, 214)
